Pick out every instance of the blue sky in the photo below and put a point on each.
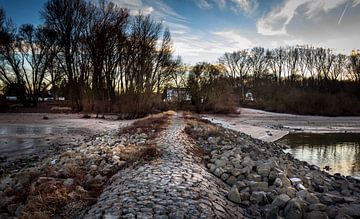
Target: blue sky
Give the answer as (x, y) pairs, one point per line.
(202, 30)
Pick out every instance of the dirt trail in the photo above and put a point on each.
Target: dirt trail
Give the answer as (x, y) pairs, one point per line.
(177, 185)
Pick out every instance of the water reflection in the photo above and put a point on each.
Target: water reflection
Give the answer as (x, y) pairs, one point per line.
(18, 140)
(339, 151)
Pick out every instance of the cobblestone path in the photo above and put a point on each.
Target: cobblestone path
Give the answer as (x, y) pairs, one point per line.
(177, 185)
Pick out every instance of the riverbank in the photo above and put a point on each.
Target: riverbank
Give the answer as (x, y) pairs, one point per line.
(268, 183)
(270, 127)
(26, 138)
(174, 166)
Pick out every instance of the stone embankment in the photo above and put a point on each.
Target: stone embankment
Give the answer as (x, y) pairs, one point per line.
(176, 185)
(268, 183)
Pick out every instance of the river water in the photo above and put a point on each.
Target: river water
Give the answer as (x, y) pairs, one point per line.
(341, 151)
(19, 140)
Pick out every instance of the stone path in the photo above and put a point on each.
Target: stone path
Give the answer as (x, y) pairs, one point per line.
(177, 185)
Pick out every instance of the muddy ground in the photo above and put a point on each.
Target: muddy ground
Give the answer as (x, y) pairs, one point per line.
(29, 137)
(268, 126)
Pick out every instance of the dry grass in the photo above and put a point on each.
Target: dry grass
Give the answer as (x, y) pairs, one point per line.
(197, 127)
(150, 124)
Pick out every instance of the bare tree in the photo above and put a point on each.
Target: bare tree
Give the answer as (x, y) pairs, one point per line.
(354, 66)
(67, 19)
(237, 66)
(35, 54)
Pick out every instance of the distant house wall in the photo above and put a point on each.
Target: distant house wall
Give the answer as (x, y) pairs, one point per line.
(175, 94)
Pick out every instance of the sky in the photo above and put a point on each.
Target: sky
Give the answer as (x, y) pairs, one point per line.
(203, 30)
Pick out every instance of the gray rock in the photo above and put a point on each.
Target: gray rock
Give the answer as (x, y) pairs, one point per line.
(231, 180)
(273, 176)
(331, 198)
(332, 211)
(234, 195)
(218, 171)
(352, 210)
(295, 180)
(68, 182)
(236, 172)
(245, 196)
(300, 187)
(278, 182)
(258, 198)
(7, 182)
(312, 198)
(290, 191)
(316, 215)
(259, 186)
(293, 209)
(280, 201)
(248, 162)
(273, 213)
(240, 185)
(177, 215)
(254, 177)
(264, 169)
(317, 207)
(221, 163)
(211, 167)
(225, 176)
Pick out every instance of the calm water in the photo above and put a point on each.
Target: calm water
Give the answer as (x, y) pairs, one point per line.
(339, 151)
(17, 140)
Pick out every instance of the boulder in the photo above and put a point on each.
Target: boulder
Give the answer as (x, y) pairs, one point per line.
(263, 169)
(218, 171)
(68, 182)
(352, 210)
(248, 162)
(259, 186)
(278, 182)
(300, 187)
(240, 185)
(225, 176)
(234, 195)
(221, 163)
(293, 209)
(312, 198)
(316, 215)
(295, 180)
(258, 198)
(273, 176)
(231, 180)
(273, 213)
(280, 201)
(317, 207)
(254, 177)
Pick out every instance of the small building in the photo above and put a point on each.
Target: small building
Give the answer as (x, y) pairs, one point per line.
(177, 94)
(11, 98)
(249, 96)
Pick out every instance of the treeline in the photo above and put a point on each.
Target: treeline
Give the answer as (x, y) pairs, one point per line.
(97, 55)
(104, 60)
(301, 79)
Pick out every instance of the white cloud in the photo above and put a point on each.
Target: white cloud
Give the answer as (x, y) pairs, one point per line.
(233, 39)
(203, 4)
(237, 6)
(134, 6)
(158, 8)
(221, 3)
(208, 46)
(277, 20)
(246, 6)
